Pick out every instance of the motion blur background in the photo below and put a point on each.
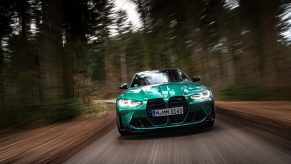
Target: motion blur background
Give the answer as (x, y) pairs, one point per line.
(57, 55)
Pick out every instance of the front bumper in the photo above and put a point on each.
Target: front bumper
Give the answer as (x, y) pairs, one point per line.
(198, 113)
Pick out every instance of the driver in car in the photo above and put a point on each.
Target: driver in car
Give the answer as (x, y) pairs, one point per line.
(142, 82)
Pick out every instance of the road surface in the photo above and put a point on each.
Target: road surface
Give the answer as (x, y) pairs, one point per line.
(228, 142)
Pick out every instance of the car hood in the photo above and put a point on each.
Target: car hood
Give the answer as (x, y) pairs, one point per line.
(162, 90)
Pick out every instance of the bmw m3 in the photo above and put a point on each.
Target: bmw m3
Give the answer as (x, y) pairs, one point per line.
(160, 99)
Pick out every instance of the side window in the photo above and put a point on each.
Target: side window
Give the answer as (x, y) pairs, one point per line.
(135, 81)
(174, 76)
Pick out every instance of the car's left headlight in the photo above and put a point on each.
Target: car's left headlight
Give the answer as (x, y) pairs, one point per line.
(201, 95)
(129, 103)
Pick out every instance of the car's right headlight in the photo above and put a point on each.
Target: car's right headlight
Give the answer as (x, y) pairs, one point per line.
(129, 103)
(201, 95)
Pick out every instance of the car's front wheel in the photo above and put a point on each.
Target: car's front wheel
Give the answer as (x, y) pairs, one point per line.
(123, 133)
(210, 120)
(209, 125)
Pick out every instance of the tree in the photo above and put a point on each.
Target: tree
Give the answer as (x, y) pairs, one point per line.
(123, 28)
(5, 29)
(271, 56)
(51, 51)
(144, 8)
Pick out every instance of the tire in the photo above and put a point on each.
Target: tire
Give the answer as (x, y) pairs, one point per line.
(124, 133)
(209, 125)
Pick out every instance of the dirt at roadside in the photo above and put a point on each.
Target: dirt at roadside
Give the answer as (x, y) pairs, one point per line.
(57, 142)
(268, 119)
(54, 143)
(275, 112)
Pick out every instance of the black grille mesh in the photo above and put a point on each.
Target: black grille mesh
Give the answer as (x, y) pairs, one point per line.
(178, 102)
(156, 104)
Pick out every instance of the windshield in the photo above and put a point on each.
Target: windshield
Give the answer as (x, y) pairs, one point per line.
(158, 77)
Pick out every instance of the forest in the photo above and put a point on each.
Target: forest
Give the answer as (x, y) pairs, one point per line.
(57, 55)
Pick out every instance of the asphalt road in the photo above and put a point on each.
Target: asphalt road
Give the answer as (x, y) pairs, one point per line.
(228, 142)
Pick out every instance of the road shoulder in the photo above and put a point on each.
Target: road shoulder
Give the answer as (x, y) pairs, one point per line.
(54, 143)
(269, 119)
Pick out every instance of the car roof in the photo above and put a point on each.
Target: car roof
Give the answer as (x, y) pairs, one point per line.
(156, 70)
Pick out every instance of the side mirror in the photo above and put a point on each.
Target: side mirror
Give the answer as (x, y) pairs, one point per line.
(123, 86)
(195, 78)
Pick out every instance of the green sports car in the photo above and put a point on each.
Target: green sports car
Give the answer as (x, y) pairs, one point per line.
(161, 99)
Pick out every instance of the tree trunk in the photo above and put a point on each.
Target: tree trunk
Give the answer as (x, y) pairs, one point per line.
(2, 90)
(24, 14)
(270, 33)
(51, 51)
(123, 66)
(145, 51)
(68, 81)
(110, 78)
(251, 37)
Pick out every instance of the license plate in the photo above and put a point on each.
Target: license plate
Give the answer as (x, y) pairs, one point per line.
(167, 112)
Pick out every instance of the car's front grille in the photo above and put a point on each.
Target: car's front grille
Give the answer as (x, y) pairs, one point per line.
(153, 104)
(159, 103)
(178, 101)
